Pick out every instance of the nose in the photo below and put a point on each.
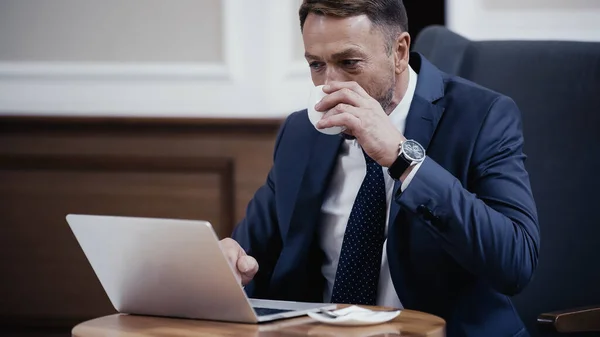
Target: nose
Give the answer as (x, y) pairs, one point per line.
(331, 75)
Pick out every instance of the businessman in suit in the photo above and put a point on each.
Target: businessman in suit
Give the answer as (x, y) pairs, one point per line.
(423, 202)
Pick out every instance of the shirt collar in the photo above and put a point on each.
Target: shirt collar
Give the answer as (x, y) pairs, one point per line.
(399, 114)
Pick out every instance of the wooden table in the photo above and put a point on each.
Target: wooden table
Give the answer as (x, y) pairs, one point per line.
(408, 323)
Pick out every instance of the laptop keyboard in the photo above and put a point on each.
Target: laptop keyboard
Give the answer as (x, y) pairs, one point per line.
(268, 311)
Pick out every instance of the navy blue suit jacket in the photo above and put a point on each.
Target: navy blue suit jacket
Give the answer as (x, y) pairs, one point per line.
(462, 237)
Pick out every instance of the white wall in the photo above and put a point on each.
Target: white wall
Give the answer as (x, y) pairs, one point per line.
(205, 58)
(189, 58)
(525, 19)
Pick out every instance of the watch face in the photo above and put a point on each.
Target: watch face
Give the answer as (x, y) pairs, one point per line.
(413, 150)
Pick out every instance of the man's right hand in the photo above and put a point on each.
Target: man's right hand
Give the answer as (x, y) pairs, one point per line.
(244, 265)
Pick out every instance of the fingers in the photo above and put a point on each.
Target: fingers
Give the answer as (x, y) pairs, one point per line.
(334, 86)
(340, 109)
(341, 96)
(341, 115)
(231, 250)
(248, 267)
(245, 266)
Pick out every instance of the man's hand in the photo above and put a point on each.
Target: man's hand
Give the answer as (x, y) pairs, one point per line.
(348, 104)
(245, 266)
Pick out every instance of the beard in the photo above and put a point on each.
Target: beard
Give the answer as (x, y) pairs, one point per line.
(387, 95)
(385, 100)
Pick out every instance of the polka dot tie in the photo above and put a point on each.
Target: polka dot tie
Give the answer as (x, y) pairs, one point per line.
(357, 274)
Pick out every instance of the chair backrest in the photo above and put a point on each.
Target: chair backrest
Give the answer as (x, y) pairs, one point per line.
(444, 48)
(556, 85)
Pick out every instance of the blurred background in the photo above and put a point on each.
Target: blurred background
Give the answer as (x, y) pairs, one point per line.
(210, 58)
(170, 109)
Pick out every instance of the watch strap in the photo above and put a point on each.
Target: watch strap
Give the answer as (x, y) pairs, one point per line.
(399, 166)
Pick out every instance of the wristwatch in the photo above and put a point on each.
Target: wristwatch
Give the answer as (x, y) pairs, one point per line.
(411, 153)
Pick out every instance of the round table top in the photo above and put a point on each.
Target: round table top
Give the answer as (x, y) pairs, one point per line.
(408, 323)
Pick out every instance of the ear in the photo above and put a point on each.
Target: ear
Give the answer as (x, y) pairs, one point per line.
(401, 52)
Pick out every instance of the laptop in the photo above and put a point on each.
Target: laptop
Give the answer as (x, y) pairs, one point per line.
(171, 268)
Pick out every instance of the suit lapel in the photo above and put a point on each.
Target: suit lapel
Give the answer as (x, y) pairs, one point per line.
(420, 126)
(301, 192)
(424, 114)
(421, 122)
(320, 162)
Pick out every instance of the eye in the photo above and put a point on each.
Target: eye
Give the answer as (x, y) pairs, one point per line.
(316, 65)
(350, 63)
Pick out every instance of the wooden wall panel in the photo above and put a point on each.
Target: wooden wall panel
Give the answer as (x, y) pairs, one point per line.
(194, 169)
(43, 190)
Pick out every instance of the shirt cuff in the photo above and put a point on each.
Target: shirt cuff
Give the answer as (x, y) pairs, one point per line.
(412, 173)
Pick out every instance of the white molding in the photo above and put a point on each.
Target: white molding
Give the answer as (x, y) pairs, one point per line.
(112, 71)
(290, 81)
(127, 71)
(256, 78)
(231, 17)
(282, 31)
(298, 70)
(482, 20)
(119, 71)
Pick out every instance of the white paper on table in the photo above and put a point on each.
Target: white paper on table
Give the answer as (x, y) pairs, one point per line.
(355, 315)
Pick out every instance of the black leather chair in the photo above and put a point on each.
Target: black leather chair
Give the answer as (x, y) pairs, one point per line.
(556, 84)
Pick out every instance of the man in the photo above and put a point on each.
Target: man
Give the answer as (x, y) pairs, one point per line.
(423, 204)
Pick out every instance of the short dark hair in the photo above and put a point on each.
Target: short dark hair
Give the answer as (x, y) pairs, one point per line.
(388, 15)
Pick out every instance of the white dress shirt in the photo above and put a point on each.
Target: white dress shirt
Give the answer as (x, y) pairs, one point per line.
(349, 173)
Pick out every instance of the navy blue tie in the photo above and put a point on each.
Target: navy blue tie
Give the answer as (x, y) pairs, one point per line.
(357, 274)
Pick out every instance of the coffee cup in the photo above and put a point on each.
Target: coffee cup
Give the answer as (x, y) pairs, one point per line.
(316, 95)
